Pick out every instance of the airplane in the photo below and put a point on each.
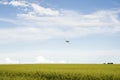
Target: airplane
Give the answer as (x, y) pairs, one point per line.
(67, 41)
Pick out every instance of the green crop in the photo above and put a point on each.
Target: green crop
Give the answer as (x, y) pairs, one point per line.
(60, 72)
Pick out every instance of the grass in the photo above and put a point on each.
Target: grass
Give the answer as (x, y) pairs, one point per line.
(60, 72)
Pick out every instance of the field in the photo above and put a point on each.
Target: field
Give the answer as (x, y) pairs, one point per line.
(60, 72)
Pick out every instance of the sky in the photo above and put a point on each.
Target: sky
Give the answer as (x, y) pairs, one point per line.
(35, 31)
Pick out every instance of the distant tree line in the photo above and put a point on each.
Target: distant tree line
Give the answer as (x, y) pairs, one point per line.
(109, 63)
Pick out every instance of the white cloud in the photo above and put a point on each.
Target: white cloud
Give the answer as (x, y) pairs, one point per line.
(15, 3)
(26, 60)
(41, 11)
(4, 2)
(62, 62)
(28, 34)
(40, 23)
(10, 61)
(41, 59)
(7, 20)
(18, 3)
(80, 24)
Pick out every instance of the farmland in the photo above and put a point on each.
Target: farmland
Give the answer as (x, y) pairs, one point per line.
(60, 72)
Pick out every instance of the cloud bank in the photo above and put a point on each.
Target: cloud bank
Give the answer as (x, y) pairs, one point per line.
(50, 56)
(37, 60)
(8, 61)
(41, 59)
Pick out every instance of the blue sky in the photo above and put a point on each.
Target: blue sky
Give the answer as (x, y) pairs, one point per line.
(35, 31)
(85, 6)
